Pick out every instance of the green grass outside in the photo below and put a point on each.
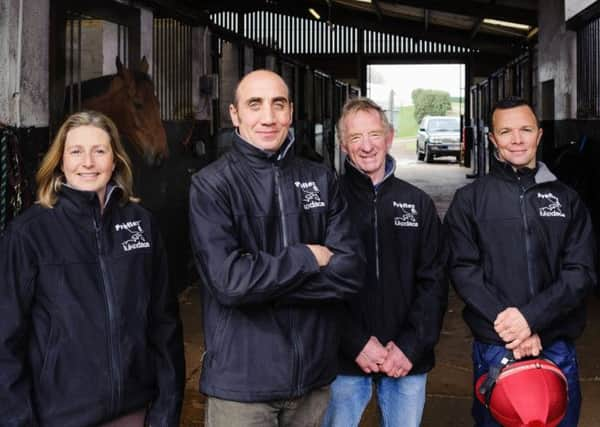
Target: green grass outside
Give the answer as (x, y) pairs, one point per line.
(405, 124)
(455, 111)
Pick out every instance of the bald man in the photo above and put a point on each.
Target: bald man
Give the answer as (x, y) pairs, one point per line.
(277, 256)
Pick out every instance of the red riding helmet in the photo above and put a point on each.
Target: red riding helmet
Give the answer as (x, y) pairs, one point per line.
(530, 393)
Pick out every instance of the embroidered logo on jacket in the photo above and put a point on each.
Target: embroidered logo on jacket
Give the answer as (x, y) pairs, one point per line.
(553, 208)
(407, 215)
(136, 235)
(311, 196)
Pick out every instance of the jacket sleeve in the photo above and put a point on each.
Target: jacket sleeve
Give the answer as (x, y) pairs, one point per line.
(18, 272)
(232, 274)
(577, 275)
(166, 340)
(344, 275)
(465, 259)
(353, 336)
(425, 317)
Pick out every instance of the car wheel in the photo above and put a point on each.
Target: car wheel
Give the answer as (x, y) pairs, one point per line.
(420, 156)
(428, 154)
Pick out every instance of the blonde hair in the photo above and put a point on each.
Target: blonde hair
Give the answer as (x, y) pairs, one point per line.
(50, 177)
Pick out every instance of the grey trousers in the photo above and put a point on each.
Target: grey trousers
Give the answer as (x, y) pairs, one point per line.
(304, 411)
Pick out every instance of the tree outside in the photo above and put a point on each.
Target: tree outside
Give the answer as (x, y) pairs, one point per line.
(430, 102)
(391, 86)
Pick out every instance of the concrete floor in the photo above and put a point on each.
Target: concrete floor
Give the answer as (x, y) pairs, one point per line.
(449, 386)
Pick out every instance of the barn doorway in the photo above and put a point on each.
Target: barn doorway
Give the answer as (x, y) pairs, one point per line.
(397, 88)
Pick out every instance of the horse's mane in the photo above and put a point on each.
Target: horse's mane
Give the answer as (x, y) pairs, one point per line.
(92, 87)
(141, 77)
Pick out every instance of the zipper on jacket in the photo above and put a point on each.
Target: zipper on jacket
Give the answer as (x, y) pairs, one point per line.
(112, 343)
(527, 241)
(296, 365)
(293, 334)
(376, 234)
(280, 201)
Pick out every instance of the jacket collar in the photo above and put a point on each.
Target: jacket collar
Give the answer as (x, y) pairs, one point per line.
(505, 171)
(87, 201)
(543, 174)
(261, 158)
(362, 180)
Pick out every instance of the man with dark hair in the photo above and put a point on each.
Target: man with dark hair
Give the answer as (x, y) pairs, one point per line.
(394, 322)
(508, 103)
(521, 256)
(276, 253)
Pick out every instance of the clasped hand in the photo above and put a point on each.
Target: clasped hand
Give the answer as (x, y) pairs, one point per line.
(514, 330)
(389, 360)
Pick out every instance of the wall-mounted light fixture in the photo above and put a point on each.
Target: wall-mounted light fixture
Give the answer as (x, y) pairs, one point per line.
(506, 24)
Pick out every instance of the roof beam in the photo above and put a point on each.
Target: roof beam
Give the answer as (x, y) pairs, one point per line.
(477, 25)
(474, 8)
(462, 7)
(342, 16)
(377, 9)
(476, 28)
(181, 10)
(501, 45)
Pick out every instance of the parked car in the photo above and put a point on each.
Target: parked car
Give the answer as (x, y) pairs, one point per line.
(438, 136)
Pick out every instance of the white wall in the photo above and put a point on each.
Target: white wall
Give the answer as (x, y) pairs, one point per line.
(146, 42)
(557, 59)
(201, 66)
(34, 66)
(573, 7)
(109, 47)
(5, 75)
(229, 78)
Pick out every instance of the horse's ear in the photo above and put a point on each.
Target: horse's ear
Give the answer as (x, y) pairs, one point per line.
(143, 67)
(125, 76)
(119, 66)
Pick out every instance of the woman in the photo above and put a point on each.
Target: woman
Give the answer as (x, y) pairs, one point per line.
(89, 330)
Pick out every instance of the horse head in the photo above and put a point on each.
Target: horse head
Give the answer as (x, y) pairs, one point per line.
(131, 103)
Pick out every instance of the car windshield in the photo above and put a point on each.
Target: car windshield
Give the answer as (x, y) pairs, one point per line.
(441, 125)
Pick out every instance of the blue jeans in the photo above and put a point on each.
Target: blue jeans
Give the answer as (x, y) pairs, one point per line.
(560, 352)
(401, 400)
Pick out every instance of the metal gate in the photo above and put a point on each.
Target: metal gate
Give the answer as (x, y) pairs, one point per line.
(588, 70)
(85, 39)
(172, 68)
(83, 35)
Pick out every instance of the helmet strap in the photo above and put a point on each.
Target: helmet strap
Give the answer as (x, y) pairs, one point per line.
(493, 374)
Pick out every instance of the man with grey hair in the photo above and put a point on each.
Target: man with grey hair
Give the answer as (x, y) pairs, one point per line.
(393, 323)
